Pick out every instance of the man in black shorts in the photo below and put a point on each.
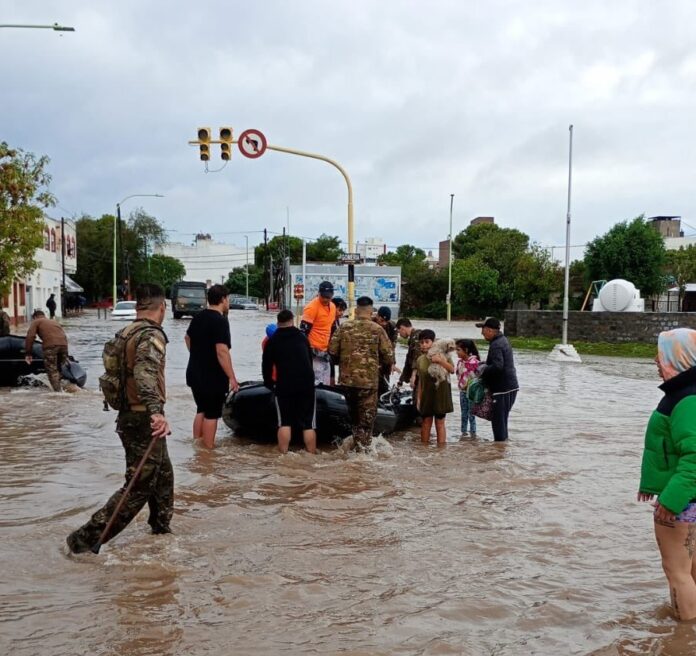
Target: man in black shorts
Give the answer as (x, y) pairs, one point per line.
(289, 351)
(210, 374)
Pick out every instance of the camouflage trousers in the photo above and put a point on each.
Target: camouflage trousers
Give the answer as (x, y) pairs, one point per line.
(54, 357)
(362, 410)
(155, 485)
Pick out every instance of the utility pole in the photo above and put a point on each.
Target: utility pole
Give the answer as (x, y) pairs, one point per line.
(270, 269)
(246, 239)
(62, 250)
(449, 283)
(265, 257)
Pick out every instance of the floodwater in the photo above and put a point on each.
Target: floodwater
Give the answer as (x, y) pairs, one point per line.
(533, 547)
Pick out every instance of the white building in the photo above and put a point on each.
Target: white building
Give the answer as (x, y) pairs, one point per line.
(371, 249)
(206, 260)
(31, 293)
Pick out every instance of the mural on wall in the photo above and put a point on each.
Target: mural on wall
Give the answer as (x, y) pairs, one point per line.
(380, 288)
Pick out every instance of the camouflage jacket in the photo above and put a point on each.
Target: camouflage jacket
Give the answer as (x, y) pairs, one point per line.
(392, 332)
(145, 359)
(411, 356)
(360, 346)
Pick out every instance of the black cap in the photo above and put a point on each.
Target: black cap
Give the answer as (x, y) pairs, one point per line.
(491, 322)
(326, 289)
(364, 301)
(384, 312)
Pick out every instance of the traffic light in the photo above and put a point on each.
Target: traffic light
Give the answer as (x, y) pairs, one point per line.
(226, 143)
(204, 143)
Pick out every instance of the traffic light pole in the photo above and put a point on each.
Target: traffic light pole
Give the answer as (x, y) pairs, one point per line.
(351, 236)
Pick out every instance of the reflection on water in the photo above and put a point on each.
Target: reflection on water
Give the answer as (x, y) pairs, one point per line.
(535, 546)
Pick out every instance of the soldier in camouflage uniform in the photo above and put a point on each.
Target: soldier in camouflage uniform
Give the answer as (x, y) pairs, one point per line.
(407, 331)
(361, 347)
(140, 421)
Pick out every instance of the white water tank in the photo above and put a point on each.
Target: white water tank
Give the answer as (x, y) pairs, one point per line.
(619, 296)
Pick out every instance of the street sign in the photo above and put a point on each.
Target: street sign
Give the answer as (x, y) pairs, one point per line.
(350, 258)
(298, 291)
(252, 143)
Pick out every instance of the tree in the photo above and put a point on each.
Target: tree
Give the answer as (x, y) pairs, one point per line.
(164, 270)
(681, 268)
(500, 249)
(236, 281)
(633, 251)
(475, 285)
(279, 247)
(138, 237)
(324, 249)
(538, 276)
(23, 197)
(405, 256)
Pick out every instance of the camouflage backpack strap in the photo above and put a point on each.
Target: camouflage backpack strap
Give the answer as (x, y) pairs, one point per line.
(138, 327)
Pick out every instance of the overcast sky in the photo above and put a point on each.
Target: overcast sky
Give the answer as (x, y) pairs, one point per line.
(417, 100)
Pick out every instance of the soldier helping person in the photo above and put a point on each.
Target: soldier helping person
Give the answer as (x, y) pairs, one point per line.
(54, 343)
(361, 348)
(383, 319)
(139, 395)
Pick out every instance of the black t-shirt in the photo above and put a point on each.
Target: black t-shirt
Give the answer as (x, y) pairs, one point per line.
(207, 329)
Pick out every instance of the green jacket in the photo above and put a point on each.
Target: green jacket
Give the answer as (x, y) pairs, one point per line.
(669, 457)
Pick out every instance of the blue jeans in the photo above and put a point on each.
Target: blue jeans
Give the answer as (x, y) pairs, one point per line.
(467, 417)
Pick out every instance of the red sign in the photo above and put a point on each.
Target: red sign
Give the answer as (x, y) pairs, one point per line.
(252, 143)
(298, 291)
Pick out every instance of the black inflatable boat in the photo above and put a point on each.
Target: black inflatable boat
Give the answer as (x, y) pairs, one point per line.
(13, 366)
(251, 412)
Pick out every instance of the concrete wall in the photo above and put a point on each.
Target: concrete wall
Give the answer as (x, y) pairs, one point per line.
(596, 326)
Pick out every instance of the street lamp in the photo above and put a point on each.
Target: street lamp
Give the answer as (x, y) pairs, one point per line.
(55, 27)
(246, 239)
(117, 222)
(449, 284)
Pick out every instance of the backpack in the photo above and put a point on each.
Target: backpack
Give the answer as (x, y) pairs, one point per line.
(476, 391)
(113, 381)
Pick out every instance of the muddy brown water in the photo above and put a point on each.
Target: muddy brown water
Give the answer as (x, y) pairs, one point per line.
(533, 547)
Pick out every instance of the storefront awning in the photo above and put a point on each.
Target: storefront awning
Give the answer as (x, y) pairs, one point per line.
(71, 287)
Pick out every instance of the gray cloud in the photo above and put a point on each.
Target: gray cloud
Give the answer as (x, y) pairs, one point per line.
(416, 100)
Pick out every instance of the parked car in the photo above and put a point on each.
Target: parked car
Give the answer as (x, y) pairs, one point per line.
(124, 311)
(242, 303)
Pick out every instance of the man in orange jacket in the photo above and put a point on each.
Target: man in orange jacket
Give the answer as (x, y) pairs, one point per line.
(317, 323)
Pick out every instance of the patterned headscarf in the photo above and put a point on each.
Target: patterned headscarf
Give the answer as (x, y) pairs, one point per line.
(676, 351)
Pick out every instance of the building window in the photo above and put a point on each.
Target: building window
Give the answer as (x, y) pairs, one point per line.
(47, 239)
(22, 294)
(53, 240)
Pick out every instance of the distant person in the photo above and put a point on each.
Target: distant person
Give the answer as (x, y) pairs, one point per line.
(361, 348)
(341, 307)
(317, 323)
(288, 371)
(434, 400)
(5, 324)
(499, 376)
(139, 421)
(668, 470)
(210, 373)
(408, 332)
(383, 319)
(51, 305)
(54, 343)
(466, 370)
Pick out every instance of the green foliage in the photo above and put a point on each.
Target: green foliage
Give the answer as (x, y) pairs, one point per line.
(538, 276)
(138, 236)
(324, 249)
(236, 281)
(633, 251)
(279, 247)
(680, 267)
(498, 249)
(405, 256)
(475, 284)
(23, 196)
(163, 270)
